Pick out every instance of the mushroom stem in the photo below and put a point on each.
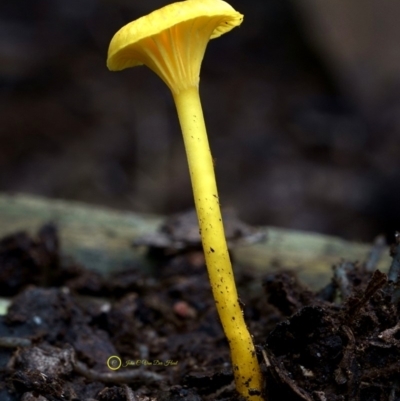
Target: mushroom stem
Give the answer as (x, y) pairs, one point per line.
(246, 369)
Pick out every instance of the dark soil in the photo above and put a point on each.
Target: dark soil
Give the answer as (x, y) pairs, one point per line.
(341, 343)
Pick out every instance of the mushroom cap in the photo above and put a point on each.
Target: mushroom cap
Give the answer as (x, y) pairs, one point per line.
(172, 40)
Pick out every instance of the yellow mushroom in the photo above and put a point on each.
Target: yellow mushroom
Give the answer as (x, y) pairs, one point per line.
(171, 41)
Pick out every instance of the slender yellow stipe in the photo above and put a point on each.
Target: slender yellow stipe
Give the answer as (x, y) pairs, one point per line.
(171, 41)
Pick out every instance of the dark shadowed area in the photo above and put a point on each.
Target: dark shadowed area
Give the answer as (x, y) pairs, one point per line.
(295, 144)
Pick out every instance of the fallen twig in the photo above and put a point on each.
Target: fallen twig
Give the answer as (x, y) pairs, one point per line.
(14, 342)
(115, 377)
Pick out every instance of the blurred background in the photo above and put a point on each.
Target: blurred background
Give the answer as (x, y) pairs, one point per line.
(301, 102)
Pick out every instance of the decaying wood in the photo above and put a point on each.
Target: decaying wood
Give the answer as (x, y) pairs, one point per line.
(101, 239)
